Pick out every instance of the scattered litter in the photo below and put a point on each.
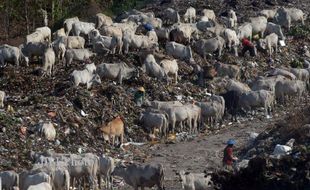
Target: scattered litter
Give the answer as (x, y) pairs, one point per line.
(281, 150)
(282, 43)
(83, 113)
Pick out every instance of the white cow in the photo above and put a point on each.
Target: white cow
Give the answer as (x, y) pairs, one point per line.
(270, 43)
(254, 99)
(231, 39)
(153, 69)
(137, 41)
(203, 46)
(153, 120)
(49, 59)
(68, 24)
(288, 88)
(82, 28)
(179, 51)
(245, 31)
(190, 15)
(268, 13)
(84, 77)
(209, 14)
(46, 32)
(11, 54)
(119, 71)
(259, 25)
(77, 55)
(59, 33)
(103, 20)
(233, 17)
(170, 67)
(41, 186)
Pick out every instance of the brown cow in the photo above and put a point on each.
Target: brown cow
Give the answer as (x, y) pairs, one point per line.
(114, 128)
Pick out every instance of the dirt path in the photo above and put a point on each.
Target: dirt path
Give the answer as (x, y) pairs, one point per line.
(205, 151)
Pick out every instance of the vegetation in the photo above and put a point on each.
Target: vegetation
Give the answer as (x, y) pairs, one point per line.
(23, 16)
(300, 31)
(297, 63)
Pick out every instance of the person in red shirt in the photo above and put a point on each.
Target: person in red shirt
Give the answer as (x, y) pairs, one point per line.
(229, 158)
(248, 46)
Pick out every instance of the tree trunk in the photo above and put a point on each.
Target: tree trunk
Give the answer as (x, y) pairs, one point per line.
(7, 18)
(26, 16)
(53, 11)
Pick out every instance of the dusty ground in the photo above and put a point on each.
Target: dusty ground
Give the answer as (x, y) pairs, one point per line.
(204, 152)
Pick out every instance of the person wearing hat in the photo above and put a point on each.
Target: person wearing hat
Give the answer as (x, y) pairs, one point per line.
(248, 46)
(229, 158)
(139, 96)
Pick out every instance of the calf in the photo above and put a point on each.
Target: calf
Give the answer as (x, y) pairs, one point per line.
(195, 181)
(141, 175)
(114, 128)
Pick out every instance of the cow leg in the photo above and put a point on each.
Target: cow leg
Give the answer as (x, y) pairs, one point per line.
(99, 180)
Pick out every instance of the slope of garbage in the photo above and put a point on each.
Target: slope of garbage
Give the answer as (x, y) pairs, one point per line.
(77, 113)
(270, 167)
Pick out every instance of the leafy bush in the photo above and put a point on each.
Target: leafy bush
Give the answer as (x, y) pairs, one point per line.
(300, 31)
(297, 63)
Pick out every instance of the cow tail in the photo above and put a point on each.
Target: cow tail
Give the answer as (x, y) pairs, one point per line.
(17, 180)
(161, 177)
(67, 180)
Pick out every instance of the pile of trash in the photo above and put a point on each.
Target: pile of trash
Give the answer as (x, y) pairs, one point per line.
(278, 158)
